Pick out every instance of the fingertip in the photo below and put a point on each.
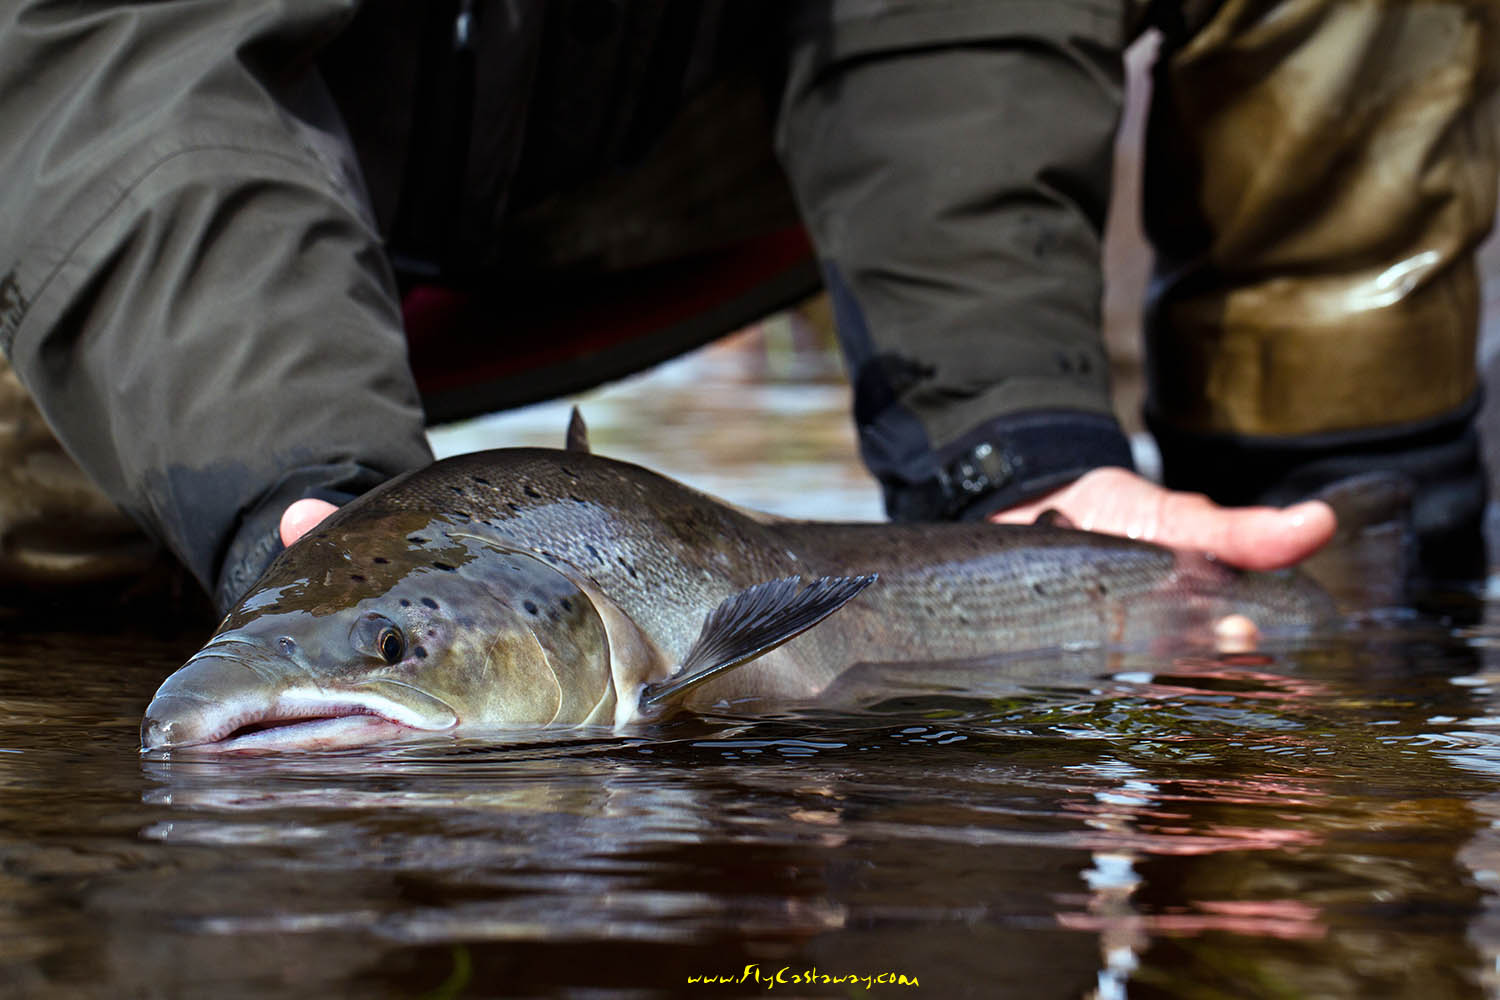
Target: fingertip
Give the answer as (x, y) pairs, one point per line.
(1272, 538)
(1313, 516)
(301, 516)
(1313, 524)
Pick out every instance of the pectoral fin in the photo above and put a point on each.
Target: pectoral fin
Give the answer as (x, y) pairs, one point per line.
(578, 433)
(750, 624)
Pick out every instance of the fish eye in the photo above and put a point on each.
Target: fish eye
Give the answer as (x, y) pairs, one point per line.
(376, 635)
(391, 644)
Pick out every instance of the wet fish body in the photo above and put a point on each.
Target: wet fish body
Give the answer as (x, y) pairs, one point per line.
(534, 587)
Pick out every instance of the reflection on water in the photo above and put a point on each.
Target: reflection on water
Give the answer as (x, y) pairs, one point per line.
(1316, 820)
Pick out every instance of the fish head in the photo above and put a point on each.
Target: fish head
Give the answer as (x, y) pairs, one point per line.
(386, 628)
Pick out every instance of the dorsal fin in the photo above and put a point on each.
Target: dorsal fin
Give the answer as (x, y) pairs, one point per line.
(1054, 518)
(749, 624)
(578, 433)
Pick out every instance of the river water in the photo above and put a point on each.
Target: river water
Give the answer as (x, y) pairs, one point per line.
(1320, 818)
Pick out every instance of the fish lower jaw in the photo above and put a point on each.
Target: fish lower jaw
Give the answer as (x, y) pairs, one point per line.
(326, 732)
(301, 721)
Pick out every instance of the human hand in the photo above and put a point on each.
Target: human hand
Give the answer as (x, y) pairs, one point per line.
(1119, 502)
(302, 516)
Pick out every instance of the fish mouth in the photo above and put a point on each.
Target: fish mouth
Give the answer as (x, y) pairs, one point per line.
(331, 725)
(225, 703)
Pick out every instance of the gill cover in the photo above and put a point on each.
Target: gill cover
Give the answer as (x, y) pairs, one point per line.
(550, 661)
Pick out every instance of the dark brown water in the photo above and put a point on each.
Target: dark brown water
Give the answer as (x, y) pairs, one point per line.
(1318, 819)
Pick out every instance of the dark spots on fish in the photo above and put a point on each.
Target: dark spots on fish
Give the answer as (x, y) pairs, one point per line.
(568, 472)
(576, 498)
(594, 553)
(380, 560)
(549, 556)
(429, 602)
(1038, 587)
(515, 508)
(420, 652)
(628, 568)
(444, 567)
(431, 632)
(462, 515)
(416, 539)
(357, 578)
(405, 603)
(457, 489)
(480, 480)
(531, 492)
(567, 605)
(530, 607)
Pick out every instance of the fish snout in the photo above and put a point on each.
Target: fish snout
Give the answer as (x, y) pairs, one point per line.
(171, 720)
(207, 697)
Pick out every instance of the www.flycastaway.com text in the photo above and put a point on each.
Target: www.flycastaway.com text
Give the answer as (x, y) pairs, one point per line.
(788, 976)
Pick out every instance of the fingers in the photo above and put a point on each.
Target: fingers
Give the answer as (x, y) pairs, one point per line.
(1259, 538)
(301, 517)
(1119, 502)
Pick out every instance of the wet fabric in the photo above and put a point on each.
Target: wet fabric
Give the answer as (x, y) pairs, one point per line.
(207, 321)
(1318, 176)
(952, 161)
(194, 284)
